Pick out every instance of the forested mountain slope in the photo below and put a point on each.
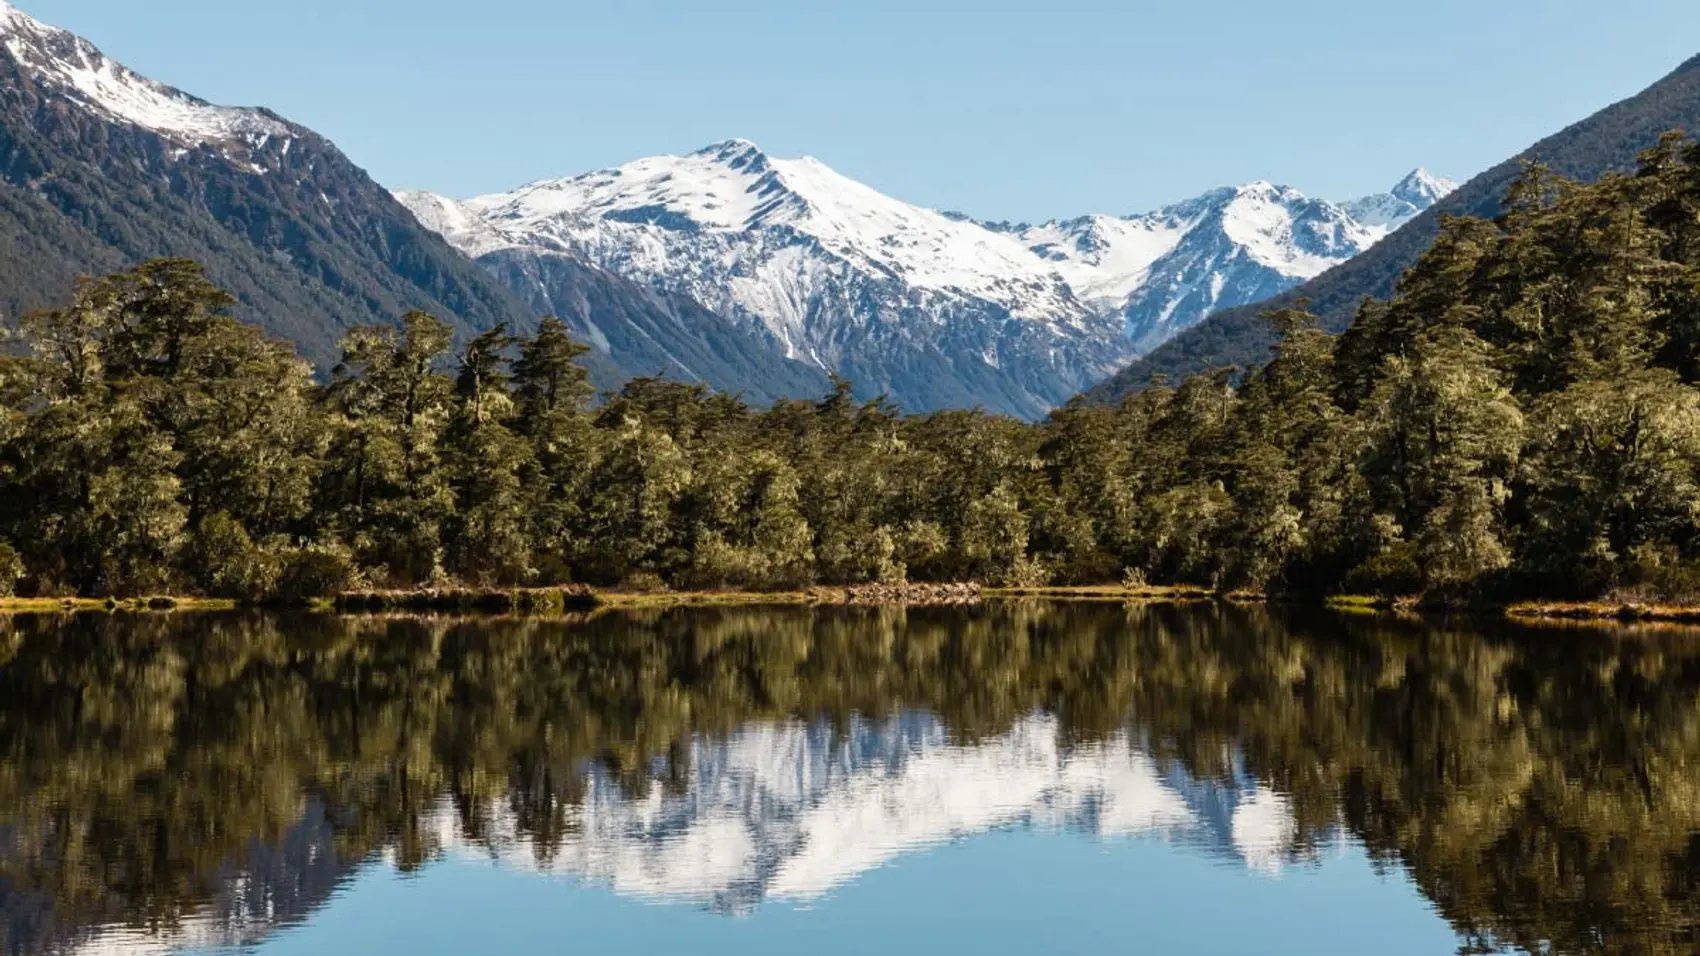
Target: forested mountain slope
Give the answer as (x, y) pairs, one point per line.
(102, 168)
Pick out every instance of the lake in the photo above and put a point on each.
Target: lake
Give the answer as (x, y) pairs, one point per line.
(1017, 777)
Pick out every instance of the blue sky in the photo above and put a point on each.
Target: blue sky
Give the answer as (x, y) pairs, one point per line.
(1022, 110)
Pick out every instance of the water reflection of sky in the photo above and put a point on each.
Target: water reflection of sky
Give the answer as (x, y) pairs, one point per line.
(884, 836)
(1013, 891)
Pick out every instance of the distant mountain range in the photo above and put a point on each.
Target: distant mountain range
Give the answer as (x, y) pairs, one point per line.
(1605, 142)
(934, 309)
(1164, 271)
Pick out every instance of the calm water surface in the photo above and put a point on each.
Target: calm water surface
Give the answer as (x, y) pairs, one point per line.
(1016, 778)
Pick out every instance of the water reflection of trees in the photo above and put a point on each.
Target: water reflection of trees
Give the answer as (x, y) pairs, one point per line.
(1540, 786)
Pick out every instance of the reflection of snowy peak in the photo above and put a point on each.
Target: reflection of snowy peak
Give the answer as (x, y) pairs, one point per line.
(935, 308)
(790, 811)
(276, 885)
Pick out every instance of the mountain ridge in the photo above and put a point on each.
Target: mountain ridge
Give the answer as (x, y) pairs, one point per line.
(1606, 140)
(306, 240)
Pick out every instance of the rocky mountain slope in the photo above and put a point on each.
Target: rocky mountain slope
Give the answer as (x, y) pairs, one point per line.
(935, 309)
(101, 168)
(1165, 271)
(1604, 142)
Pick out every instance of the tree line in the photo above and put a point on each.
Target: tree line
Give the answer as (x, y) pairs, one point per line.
(1522, 418)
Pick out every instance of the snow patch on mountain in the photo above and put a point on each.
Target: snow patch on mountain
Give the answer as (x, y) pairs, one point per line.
(460, 225)
(88, 77)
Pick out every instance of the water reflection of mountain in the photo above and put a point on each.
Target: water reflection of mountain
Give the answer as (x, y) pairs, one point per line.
(273, 886)
(207, 778)
(788, 811)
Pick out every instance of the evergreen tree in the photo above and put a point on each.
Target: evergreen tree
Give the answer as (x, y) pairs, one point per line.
(550, 391)
(486, 537)
(384, 490)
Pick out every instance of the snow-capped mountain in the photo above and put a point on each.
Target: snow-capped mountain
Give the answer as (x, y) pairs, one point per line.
(102, 168)
(905, 301)
(790, 811)
(1165, 271)
(937, 309)
(728, 267)
(1385, 212)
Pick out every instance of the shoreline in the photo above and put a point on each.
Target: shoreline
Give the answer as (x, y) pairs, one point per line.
(546, 601)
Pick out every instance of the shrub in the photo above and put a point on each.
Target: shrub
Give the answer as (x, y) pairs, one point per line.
(715, 563)
(1659, 573)
(552, 569)
(860, 556)
(314, 572)
(1393, 571)
(1026, 572)
(11, 569)
(920, 545)
(226, 563)
(643, 582)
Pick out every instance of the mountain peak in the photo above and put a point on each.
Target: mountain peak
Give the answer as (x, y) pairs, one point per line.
(738, 154)
(1422, 188)
(11, 17)
(734, 145)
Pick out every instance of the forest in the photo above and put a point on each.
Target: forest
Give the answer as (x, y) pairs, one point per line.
(1521, 419)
